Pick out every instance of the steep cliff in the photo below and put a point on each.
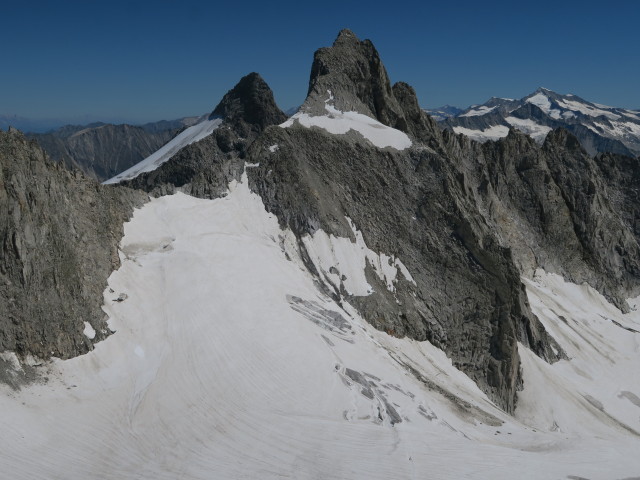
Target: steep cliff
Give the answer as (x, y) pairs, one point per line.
(59, 232)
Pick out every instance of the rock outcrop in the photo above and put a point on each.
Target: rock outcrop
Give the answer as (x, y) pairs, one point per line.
(59, 233)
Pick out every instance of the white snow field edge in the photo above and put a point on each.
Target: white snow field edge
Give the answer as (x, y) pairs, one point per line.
(535, 130)
(227, 361)
(494, 132)
(479, 111)
(190, 135)
(339, 123)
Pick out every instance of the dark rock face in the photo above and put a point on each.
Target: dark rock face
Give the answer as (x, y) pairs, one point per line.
(352, 71)
(102, 151)
(250, 106)
(202, 169)
(553, 207)
(59, 233)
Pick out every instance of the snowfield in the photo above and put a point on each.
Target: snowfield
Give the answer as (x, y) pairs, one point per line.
(339, 123)
(190, 135)
(494, 132)
(541, 101)
(535, 130)
(227, 361)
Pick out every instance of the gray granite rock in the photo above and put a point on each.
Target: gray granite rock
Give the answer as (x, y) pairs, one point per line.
(59, 232)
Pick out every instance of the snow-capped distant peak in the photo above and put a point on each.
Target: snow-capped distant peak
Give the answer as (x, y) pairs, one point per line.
(608, 129)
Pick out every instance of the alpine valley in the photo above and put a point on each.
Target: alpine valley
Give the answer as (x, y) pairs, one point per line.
(352, 292)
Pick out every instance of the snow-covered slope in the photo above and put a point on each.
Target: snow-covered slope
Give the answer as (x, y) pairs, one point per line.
(189, 135)
(598, 127)
(340, 123)
(228, 361)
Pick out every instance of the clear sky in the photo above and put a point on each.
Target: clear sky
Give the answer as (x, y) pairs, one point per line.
(143, 61)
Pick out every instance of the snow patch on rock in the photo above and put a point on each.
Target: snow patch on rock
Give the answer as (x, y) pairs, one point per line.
(494, 132)
(535, 130)
(342, 262)
(339, 123)
(88, 331)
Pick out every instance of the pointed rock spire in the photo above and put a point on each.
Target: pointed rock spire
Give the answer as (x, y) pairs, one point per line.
(352, 71)
(251, 103)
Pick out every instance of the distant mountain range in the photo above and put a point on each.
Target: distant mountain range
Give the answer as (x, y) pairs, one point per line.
(444, 112)
(102, 150)
(599, 128)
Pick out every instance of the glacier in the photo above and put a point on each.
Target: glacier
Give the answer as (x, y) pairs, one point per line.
(229, 360)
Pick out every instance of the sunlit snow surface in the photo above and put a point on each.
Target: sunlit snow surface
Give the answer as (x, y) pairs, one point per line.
(535, 130)
(190, 135)
(339, 123)
(494, 132)
(481, 110)
(541, 101)
(228, 362)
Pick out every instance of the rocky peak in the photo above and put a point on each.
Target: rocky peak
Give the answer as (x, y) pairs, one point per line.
(352, 71)
(250, 105)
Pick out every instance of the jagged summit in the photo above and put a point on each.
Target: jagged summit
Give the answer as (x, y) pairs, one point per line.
(352, 71)
(346, 36)
(250, 102)
(350, 77)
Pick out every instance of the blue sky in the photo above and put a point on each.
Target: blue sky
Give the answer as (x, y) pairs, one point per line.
(141, 61)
